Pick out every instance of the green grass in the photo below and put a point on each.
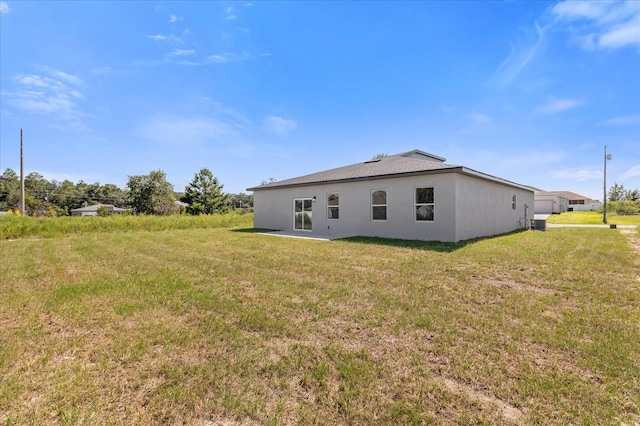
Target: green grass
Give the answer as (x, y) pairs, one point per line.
(12, 227)
(593, 218)
(217, 326)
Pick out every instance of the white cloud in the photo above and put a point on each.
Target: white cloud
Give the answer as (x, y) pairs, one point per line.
(600, 24)
(49, 95)
(627, 33)
(518, 59)
(632, 172)
(182, 52)
(189, 131)
(174, 18)
(157, 37)
(279, 125)
(480, 118)
(68, 78)
(579, 175)
(106, 71)
(553, 106)
(4, 7)
(624, 120)
(227, 57)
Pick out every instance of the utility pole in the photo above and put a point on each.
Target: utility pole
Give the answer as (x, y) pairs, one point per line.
(606, 158)
(22, 209)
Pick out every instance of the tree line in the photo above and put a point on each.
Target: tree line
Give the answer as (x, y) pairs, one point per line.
(144, 194)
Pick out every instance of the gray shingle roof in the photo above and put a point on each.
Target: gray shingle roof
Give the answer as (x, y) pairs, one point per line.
(95, 207)
(414, 162)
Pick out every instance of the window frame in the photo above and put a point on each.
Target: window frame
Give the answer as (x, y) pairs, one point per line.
(335, 207)
(513, 202)
(374, 206)
(417, 205)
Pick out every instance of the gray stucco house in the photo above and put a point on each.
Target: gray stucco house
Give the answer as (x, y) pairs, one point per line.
(93, 210)
(413, 195)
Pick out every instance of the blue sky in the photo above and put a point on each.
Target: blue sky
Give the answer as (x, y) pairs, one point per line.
(527, 91)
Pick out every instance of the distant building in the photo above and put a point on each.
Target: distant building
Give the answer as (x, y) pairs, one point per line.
(550, 203)
(579, 202)
(93, 210)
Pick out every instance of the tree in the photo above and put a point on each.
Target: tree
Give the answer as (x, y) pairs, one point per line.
(632, 195)
(9, 190)
(204, 194)
(240, 201)
(268, 181)
(37, 190)
(616, 192)
(151, 194)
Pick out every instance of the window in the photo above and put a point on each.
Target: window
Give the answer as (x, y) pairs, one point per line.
(424, 204)
(379, 204)
(333, 206)
(513, 202)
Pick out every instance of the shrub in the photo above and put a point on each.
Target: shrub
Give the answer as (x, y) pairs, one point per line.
(103, 211)
(623, 208)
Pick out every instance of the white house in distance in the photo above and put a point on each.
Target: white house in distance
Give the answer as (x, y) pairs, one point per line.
(579, 202)
(93, 210)
(550, 203)
(412, 195)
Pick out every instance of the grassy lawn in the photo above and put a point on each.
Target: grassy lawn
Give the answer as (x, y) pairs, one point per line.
(593, 218)
(224, 326)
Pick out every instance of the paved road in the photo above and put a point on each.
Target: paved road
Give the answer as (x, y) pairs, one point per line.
(567, 225)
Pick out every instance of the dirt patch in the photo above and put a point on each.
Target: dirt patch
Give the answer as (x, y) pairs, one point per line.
(546, 358)
(509, 412)
(513, 285)
(634, 240)
(226, 422)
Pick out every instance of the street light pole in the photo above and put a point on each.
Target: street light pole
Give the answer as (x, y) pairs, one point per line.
(606, 158)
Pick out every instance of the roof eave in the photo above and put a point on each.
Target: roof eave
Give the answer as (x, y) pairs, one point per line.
(357, 179)
(455, 169)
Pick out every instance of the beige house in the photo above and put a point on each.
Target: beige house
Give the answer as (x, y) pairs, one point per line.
(413, 195)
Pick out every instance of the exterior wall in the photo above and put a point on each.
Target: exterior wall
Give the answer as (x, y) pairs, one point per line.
(484, 208)
(550, 204)
(84, 213)
(273, 208)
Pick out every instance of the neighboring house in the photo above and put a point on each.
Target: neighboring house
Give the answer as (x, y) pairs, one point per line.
(413, 195)
(93, 210)
(579, 202)
(180, 204)
(550, 203)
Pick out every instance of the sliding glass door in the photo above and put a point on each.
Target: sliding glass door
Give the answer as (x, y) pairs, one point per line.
(302, 214)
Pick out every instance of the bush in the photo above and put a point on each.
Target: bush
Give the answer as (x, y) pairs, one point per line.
(623, 208)
(103, 211)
